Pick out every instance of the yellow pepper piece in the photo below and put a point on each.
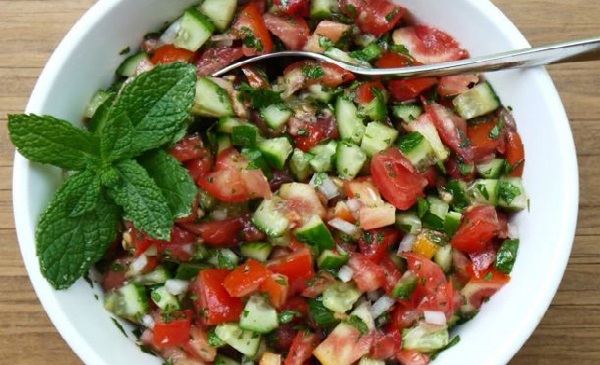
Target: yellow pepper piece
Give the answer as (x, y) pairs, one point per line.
(424, 247)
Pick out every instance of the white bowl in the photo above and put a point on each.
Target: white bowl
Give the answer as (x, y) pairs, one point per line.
(86, 58)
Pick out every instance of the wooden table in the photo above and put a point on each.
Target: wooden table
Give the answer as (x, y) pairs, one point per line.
(570, 331)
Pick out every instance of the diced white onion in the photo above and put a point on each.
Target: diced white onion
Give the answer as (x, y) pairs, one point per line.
(513, 231)
(138, 265)
(382, 305)
(373, 295)
(345, 274)
(435, 317)
(406, 243)
(325, 185)
(176, 286)
(222, 40)
(151, 251)
(346, 227)
(168, 37)
(219, 215)
(354, 205)
(148, 321)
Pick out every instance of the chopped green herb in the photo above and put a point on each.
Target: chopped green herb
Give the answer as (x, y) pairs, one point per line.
(357, 322)
(313, 71)
(507, 254)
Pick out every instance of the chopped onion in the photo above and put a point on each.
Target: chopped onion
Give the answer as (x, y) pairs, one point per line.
(435, 317)
(346, 227)
(323, 183)
(138, 265)
(407, 243)
(148, 321)
(345, 274)
(373, 295)
(513, 231)
(176, 287)
(354, 205)
(382, 305)
(219, 215)
(222, 40)
(151, 251)
(168, 37)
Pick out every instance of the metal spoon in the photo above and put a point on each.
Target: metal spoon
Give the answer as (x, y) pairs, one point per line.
(587, 49)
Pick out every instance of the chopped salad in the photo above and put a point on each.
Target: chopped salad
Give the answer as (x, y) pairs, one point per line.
(327, 218)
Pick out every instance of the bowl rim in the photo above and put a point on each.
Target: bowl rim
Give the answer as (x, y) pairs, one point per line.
(48, 296)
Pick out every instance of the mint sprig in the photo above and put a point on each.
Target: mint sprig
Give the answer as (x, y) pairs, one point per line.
(120, 170)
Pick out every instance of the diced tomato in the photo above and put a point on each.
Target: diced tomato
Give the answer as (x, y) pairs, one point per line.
(386, 343)
(218, 233)
(452, 129)
(429, 45)
(292, 30)
(297, 266)
(484, 143)
(431, 175)
(302, 348)
(458, 169)
(214, 59)
(404, 315)
(172, 329)
(515, 152)
(344, 346)
(314, 132)
(374, 244)
(378, 216)
(283, 336)
(392, 274)
(482, 260)
(212, 301)
(199, 167)
(296, 304)
(333, 31)
(188, 148)
(396, 178)
(318, 285)
(408, 89)
(180, 246)
(364, 92)
(169, 53)
(454, 85)
(363, 189)
(391, 59)
(246, 278)
(477, 290)
(114, 277)
(198, 345)
(251, 28)
(342, 211)
(276, 287)
(478, 226)
(303, 74)
(368, 276)
(233, 181)
(256, 77)
(412, 357)
(374, 17)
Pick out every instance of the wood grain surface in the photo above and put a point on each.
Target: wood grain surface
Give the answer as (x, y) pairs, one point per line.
(569, 332)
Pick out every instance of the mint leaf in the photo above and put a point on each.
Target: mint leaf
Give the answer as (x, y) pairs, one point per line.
(68, 246)
(142, 200)
(53, 141)
(173, 180)
(88, 201)
(96, 122)
(149, 111)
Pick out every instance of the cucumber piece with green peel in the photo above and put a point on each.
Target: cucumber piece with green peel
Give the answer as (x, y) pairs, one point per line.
(195, 29)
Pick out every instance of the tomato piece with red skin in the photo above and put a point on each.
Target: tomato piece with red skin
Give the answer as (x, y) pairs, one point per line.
(188, 148)
(429, 45)
(368, 276)
(322, 280)
(218, 233)
(276, 288)
(213, 59)
(172, 332)
(212, 301)
(364, 189)
(344, 345)
(294, 7)
(114, 277)
(515, 152)
(332, 30)
(298, 266)
(452, 129)
(180, 245)
(392, 273)
(391, 59)
(396, 179)
(404, 315)
(412, 357)
(251, 28)
(199, 167)
(478, 290)
(486, 138)
(246, 278)
(198, 345)
(455, 84)
(283, 336)
(409, 89)
(484, 259)
(302, 348)
(374, 17)
(296, 304)
(312, 133)
(374, 243)
(364, 92)
(478, 226)
(458, 169)
(293, 31)
(169, 54)
(303, 74)
(386, 343)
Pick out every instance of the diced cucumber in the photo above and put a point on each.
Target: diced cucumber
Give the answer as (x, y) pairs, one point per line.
(506, 256)
(223, 258)
(244, 341)
(425, 126)
(223, 142)
(323, 9)
(458, 191)
(376, 109)
(257, 160)
(258, 315)
(409, 222)
(491, 169)
(349, 160)
(276, 115)
(283, 241)
(129, 66)
(477, 101)
(221, 359)
(407, 112)
(189, 270)
(157, 276)
(363, 311)
(418, 150)
(315, 233)
(271, 217)
(323, 154)
(369, 53)
(300, 164)
(484, 191)
(256, 250)
(350, 125)
(340, 297)
(378, 137)
(443, 257)
(332, 261)
(211, 100)
(338, 54)
(451, 223)
(511, 193)
(220, 12)
(245, 136)
(369, 361)
(436, 213)
(99, 98)
(425, 337)
(405, 285)
(129, 301)
(226, 125)
(320, 93)
(194, 31)
(164, 300)
(276, 151)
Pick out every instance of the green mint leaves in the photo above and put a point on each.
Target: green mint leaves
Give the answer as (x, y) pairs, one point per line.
(120, 172)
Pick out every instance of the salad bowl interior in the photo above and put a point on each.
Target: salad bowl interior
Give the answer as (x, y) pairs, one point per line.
(85, 60)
